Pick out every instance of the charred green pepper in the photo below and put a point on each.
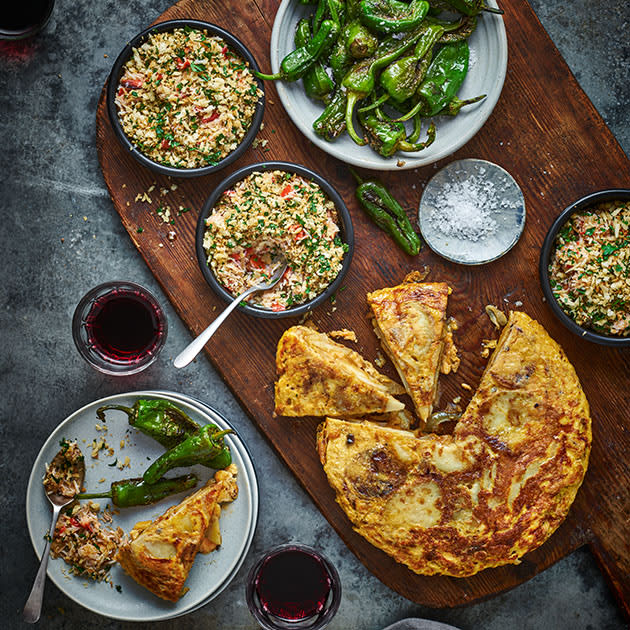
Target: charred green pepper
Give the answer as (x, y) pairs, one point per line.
(452, 109)
(465, 7)
(317, 83)
(392, 16)
(295, 65)
(332, 121)
(359, 41)
(464, 30)
(360, 80)
(355, 42)
(157, 418)
(402, 77)
(387, 213)
(206, 447)
(444, 77)
(130, 492)
(165, 423)
(387, 137)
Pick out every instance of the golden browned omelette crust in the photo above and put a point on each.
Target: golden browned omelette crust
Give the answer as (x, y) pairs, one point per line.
(319, 377)
(486, 495)
(160, 553)
(410, 321)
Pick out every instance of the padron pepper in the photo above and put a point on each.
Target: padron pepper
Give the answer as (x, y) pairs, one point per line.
(355, 42)
(317, 83)
(131, 492)
(452, 108)
(166, 423)
(387, 137)
(464, 30)
(465, 7)
(387, 213)
(402, 77)
(444, 77)
(359, 42)
(206, 447)
(158, 418)
(360, 80)
(340, 59)
(332, 121)
(392, 16)
(295, 65)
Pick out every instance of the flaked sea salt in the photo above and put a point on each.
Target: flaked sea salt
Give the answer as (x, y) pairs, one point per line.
(463, 209)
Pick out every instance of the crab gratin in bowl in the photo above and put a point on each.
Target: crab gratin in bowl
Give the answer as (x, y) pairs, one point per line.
(268, 209)
(585, 267)
(182, 98)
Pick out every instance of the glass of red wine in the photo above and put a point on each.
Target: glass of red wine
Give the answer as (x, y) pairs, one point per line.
(119, 328)
(293, 586)
(24, 18)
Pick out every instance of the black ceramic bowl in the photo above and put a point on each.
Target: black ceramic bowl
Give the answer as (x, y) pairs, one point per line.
(345, 231)
(545, 258)
(116, 73)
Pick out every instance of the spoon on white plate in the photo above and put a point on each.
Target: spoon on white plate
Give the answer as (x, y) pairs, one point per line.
(76, 471)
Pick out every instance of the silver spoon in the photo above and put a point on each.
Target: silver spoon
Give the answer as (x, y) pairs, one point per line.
(195, 347)
(33, 606)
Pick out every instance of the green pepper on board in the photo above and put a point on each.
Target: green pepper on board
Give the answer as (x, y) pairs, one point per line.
(443, 78)
(317, 83)
(130, 492)
(206, 447)
(392, 16)
(387, 213)
(157, 418)
(295, 65)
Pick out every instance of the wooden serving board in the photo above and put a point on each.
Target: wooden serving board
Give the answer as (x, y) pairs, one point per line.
(548, 135)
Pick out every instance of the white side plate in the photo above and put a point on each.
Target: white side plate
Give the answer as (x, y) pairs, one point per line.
(209, 575)
(486, 74)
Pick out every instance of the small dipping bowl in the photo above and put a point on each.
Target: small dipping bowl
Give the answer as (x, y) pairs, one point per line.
(346, 234)
(498, 196)
(613, 194)
(119, 328)
(118, 69)
(293, 587)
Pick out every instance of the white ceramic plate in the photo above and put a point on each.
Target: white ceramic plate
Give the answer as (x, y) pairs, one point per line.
(486, 74)
(210, 574)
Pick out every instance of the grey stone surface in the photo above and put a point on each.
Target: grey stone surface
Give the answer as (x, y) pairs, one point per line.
(61, 235)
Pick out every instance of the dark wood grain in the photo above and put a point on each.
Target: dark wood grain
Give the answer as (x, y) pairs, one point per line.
(545, 132)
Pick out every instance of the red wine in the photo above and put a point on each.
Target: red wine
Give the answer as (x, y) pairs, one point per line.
(123, 326)
(20, 18)
(293, 585)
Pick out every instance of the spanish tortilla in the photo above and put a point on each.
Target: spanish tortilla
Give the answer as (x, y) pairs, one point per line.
(492, 491)
(319, 377)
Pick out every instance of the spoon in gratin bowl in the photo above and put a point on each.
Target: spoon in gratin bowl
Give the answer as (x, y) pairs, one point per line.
(195, 347)
(68, 462)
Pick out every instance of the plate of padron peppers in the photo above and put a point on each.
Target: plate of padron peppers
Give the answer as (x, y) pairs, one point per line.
(388, 84)
(157, 435)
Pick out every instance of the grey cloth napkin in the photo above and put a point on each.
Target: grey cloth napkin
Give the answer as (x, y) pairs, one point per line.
(419, 624)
